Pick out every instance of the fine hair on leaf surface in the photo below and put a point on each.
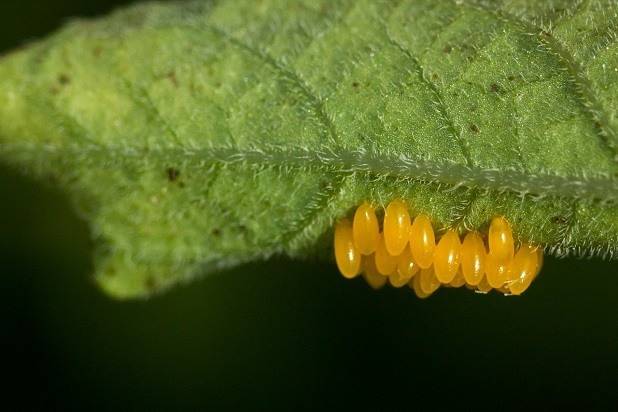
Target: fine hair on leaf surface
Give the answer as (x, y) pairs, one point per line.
(195, 136)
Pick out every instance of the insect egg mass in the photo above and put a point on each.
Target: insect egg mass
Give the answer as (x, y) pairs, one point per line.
(404, 251)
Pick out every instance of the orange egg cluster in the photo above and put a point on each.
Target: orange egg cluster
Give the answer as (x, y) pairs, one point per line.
(405, 251)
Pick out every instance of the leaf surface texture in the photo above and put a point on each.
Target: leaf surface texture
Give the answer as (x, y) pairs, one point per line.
(197, 136)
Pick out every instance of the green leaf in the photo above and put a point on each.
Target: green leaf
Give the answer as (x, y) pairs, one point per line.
(196, 136)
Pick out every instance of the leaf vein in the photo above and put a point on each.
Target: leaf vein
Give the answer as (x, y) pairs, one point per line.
(582, 85)
(316, 207)
(599, 187)
(315, 100)
(438, 101)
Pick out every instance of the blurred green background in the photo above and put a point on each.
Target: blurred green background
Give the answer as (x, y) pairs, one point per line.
(282, 334)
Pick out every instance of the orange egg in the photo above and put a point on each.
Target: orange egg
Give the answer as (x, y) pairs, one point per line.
(458, 281)
(365, 229)
(422, 241)
(523, 269)
(396, 227)
(369, 265)
(483, 286)
(346, 255)
(371, 274)
(473, 255)
(406, 268)
(415, 284)
(446, 257)
(385, 263)
(397, 281)
(428, 281)
(500, 239)
(496, 271)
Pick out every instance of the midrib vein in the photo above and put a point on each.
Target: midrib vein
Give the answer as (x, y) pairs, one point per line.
(599, 188)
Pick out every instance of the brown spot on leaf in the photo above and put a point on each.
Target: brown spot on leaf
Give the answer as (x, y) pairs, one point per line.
(151, 283)
(171, 76)
(64, 79)
(494, 88)
(172, 174)
(447, 49)
(474, 128)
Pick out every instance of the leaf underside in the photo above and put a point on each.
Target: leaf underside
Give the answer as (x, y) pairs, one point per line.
(196, 136)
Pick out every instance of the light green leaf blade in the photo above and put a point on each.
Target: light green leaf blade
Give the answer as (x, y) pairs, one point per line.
(196, 136)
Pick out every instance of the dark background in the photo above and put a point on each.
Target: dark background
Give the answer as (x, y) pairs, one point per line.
(281, 334)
